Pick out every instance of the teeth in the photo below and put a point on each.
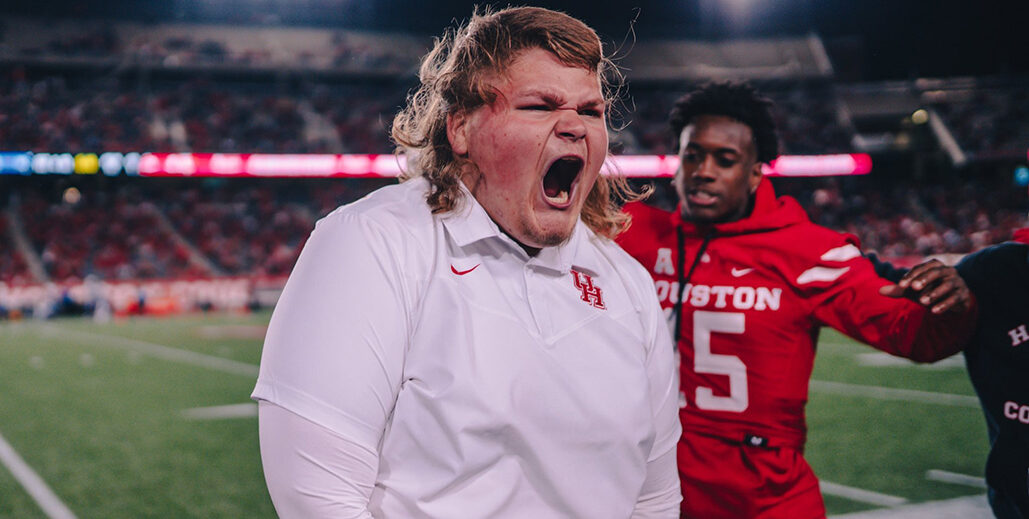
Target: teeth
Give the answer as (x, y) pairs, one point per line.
(560, 198)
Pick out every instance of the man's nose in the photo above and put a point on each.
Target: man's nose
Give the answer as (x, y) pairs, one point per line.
(570, 125)
(705, 170)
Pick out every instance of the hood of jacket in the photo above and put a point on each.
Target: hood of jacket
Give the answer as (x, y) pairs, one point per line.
(1021, 236)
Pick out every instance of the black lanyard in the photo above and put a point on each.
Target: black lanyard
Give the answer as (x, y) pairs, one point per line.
(683, 280)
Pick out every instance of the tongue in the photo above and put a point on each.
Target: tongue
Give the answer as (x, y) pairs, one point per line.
(557, 183)
(551, 186)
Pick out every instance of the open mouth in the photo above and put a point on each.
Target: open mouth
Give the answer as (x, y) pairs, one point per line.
(560, 179)
(699, 197)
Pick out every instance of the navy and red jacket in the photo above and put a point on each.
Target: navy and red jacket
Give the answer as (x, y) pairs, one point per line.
(998, 365)
(755, 293)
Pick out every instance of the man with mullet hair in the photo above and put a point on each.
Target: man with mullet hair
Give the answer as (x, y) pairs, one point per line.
(471, 343)
(747, 281)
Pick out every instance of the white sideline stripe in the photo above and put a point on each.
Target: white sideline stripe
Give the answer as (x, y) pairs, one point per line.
(219, 412)
(33, 484)
(955, 478)
(166, 352)
(886, 393)
(968, 507)
(882, 359)
(860, 495)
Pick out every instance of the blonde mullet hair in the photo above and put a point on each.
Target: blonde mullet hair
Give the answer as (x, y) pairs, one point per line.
(455, 78)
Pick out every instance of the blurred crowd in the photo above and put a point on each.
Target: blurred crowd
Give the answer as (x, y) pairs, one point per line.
(138, 229)
(57, 113)
(914, 219)
(989, 121)
(122, 229)
(806, 115)
(148, 229)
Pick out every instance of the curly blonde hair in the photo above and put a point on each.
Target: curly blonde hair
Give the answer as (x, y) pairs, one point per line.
(455, 78)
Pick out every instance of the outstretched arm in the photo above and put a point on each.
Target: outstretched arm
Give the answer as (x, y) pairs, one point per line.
(927, 316)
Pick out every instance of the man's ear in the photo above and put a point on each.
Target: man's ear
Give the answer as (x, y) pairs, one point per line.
(457, 132)
(755, 177)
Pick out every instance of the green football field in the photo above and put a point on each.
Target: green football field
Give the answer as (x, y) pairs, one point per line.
(151, 417)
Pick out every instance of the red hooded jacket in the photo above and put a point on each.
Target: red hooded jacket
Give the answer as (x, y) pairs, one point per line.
(753, 306)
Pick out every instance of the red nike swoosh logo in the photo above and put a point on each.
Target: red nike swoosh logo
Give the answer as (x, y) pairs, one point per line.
(463, 272)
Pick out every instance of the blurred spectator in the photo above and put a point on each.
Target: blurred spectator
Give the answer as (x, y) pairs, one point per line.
(13, 269)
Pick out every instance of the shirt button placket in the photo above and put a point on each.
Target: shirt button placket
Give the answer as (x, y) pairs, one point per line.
(536, 293)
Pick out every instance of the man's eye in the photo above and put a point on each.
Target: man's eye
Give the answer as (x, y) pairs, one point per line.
(591, 112)
(539, 107)
(726, 162)
(691, 157)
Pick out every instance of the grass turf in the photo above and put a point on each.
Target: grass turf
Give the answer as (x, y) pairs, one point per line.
(101, 424)
(99, 419)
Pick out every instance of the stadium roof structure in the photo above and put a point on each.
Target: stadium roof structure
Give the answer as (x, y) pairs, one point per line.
(884, 39)
(232, 48)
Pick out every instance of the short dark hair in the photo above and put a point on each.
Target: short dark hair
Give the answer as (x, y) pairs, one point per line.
(738, 100)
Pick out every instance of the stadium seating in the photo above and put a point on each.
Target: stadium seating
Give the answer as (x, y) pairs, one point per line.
(176, 88)
(13, 269)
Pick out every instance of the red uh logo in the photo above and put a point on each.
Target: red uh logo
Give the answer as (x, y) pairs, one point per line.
(590, 293)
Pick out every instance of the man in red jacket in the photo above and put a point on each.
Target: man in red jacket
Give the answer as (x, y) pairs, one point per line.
(747, 281)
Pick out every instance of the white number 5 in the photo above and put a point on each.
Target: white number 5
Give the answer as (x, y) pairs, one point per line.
(706, 362)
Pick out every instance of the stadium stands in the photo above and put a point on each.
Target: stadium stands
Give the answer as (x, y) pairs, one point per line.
(336, 91)
(13, 269)
(988, 118)
(109, 233)
(134, 87)
(907, 220)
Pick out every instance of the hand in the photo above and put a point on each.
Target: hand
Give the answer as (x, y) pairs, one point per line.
(933, 285)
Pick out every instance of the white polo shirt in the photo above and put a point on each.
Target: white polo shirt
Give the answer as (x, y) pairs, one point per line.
(490, 383)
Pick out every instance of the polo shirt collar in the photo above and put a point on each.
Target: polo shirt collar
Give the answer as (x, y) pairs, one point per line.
(469, 223)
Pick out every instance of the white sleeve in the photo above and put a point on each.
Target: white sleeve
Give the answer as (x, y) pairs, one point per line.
(312, 473)
(664, 385)
(660, 496)
(335, 346)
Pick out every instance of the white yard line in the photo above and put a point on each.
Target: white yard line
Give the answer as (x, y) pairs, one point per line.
(881, 359)
(886, 393)
(969, 507)
(162, 352)
(219, 412)
(955, 478)
(51, 505)
(860, 495)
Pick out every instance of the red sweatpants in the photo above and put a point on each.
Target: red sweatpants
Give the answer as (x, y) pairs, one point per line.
(728, 480)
